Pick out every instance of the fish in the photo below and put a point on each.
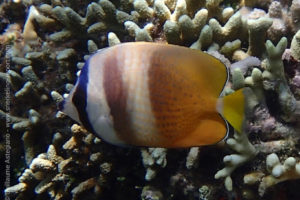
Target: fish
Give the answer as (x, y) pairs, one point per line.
(155, 95)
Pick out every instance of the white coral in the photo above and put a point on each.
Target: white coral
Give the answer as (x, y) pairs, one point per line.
(279, 172)
(152, 158)
(245, 152)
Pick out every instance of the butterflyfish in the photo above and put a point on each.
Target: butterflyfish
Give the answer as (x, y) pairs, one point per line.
(155, 95)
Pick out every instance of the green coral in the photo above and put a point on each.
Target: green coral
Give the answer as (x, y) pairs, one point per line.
(139, 34)
(204, 40)
(275, 79)
(257, 35)
(295, 46)
(229, 31)
(245, 152)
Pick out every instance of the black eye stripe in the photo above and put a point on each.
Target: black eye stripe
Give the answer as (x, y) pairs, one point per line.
(80, 97)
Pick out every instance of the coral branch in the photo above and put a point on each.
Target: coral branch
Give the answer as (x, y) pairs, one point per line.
(245, 152)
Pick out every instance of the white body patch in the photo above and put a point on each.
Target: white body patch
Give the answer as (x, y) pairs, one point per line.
(97, 108)
(135, 76)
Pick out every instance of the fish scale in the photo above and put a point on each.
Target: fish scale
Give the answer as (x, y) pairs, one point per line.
(138, 104)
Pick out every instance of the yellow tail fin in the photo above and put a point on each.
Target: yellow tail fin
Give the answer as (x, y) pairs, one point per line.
(233, 109)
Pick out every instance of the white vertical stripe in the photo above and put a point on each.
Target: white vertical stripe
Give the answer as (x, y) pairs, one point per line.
(97, 107)
(135, 76)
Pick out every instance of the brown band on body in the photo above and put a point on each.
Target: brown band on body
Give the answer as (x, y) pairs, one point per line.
(166, 100)
(176, 100)
(116, 96)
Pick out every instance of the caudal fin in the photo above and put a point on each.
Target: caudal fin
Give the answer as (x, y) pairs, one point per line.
(233, 108)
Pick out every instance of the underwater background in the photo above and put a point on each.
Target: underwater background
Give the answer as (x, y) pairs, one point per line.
(46, 155)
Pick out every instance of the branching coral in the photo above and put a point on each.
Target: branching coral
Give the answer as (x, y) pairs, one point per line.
(279, 172)
(204, 40)
(139, 34)
(257, 33)
(229, 31)
(245, 152)
(259, 81)
(192, 157)
(77, 164)
(295, 10)
(279, 27)
(99, 17)
(51, 170)
(295, 46)
(153, 158)
(274, 79)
